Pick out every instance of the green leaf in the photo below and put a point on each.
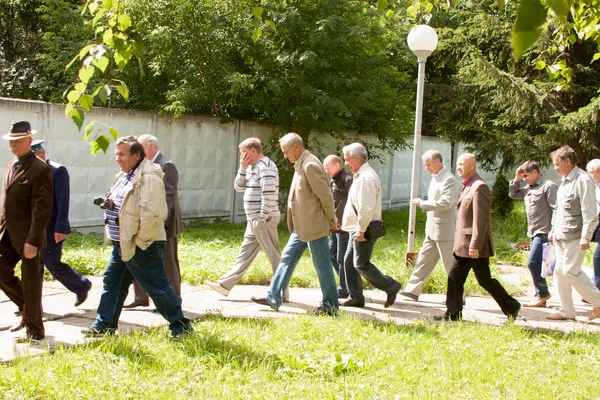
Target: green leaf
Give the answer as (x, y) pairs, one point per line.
(93, 7)
(85, 73)
(500, 4)
(138, 47)
(86, 101)
(560, 7)
(258, 11)
(596, 56)
(382, 4)
(123, 90)
(123, 22)
(71, 63)
(540, 65)
(114, 133)
(530, 16)
(256, 34)
(83, 52)
(101, 63)
(107, 4)
(80, 87)
(89, 126)
(107, 35)
(68, 108)
(389, 14)
(73, 96)
(101, 143)
(103, 95)
(78, 116)
(88, 133)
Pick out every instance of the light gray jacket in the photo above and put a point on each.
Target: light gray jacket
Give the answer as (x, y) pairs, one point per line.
(441, 206)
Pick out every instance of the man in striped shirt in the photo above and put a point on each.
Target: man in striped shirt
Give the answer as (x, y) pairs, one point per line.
(258, 178)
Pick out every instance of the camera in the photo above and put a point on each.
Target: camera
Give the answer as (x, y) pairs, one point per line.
(104, 203)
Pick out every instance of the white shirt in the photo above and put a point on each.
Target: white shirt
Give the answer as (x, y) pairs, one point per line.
(365, 197)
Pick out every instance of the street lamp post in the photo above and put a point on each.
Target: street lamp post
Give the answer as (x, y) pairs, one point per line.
(422, 41)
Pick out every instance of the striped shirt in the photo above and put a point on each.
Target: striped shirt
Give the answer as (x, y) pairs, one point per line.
(116, 194)
(260, 184)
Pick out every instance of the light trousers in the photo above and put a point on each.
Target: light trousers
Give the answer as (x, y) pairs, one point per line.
(429, 255)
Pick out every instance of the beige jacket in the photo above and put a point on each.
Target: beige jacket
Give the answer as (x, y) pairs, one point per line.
(310, 210)
(144, 211)
(441, 206)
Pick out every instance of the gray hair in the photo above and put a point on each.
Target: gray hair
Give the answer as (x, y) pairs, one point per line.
(39, 150)
(356, 149)
(432, 155)
(593, 165)
(291, 139)
(150, 139)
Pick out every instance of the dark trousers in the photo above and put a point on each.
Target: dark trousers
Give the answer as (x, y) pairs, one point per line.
(459, 271)
(26, 292)
(51, 259)
(357, 263)
(171, 261)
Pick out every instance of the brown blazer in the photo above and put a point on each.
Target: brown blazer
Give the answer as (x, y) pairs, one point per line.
(474, 220)
(310, 210)
(174, 222)
(26, 203)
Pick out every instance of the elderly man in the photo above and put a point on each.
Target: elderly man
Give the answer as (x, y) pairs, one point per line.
(341, 181)
(58, 228)
(135, 209)
(363, 206)
(310, 216)
(173, 224)
(473, 244)
(258, 179)
(540, 203)
(439, 228)
(593, 168)
(24, 212)
(573, 225)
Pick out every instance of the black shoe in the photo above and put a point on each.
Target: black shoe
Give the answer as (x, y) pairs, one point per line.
(353, 303)
(137, 303)
(391, 296)
(34, 340)
(93, 332)
(513, 315)
(321, 311)
(183, 334)
(81, 297)
(18, 313)
(17, 327)
(447, 317)
(410, 295)
(263, 301)
(342, 295)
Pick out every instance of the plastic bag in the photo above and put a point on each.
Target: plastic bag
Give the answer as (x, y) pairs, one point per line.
(548, 260)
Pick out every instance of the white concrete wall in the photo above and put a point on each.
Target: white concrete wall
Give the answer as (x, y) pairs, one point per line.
(204, 151)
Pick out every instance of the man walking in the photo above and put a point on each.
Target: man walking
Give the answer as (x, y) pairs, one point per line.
(363, 206)
(340, 184)
(310, 216)
(58, 228)
(258, 179)
(173, 224)
(473, 244)
(24, 212)
(135, 209)
(540, 202)
(573, 225)
(439, 228)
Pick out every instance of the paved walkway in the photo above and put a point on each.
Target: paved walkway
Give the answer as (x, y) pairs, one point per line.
(64, 321)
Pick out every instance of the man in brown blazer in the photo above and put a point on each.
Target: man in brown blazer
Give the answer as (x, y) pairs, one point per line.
(473, 244)
(24, 212)
(173, 224)
(310, 216)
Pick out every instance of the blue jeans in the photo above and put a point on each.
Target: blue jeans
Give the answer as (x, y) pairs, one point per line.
(357, 263)
(289, 259)
(534, 263)
(148, 269)
(338, 243)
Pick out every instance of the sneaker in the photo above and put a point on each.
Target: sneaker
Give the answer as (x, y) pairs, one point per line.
(217, 287)
(92, 332)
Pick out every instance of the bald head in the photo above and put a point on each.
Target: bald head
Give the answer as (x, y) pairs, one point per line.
(466, 165)
(332, 164)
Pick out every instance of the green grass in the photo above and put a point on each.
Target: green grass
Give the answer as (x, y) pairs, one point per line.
(208, 250)
(316, 358)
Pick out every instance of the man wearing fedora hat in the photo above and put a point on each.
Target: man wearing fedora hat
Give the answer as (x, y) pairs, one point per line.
(24, 212)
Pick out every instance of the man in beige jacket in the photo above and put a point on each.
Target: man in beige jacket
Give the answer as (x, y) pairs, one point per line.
(310, 216)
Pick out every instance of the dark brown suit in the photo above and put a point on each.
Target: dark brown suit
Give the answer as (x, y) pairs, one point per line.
(474, 230)
(24, 212)
(173, 226)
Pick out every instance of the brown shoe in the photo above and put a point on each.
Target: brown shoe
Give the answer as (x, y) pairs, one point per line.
(559, 317)
(538, 302)
(594, 314)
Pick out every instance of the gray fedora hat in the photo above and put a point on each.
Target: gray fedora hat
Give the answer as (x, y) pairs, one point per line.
(19, 130)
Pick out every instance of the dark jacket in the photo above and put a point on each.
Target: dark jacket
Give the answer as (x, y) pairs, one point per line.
(59, 219)
(174, 222)
(340, 187)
